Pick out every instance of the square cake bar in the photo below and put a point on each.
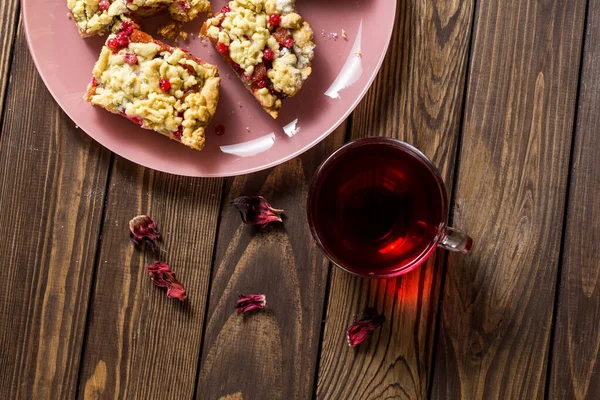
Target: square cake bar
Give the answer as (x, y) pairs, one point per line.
(158, 87)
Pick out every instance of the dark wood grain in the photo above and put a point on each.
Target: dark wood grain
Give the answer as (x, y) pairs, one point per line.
(495, 327)
(140, 344)
(510, 196)
(272, 354)
(418, 98)
(53, 179)
(9, 16)
(575, 368)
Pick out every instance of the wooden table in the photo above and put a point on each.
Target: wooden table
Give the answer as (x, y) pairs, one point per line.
(503, 96)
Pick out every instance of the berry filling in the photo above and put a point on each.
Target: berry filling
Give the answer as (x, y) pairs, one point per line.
(103, 5)
(184, 6)
(225, 9)
(259, 80)
(236, 66)
(262, 83)
(189, 69)
(260, 73)
(135, 119)
(131, 59)
(281, 34)
(178, 134)
(222, 48)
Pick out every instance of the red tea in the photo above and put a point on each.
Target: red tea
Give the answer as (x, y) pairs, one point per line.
(376, 209)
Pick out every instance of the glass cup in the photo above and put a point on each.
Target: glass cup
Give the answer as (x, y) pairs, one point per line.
(378, 207)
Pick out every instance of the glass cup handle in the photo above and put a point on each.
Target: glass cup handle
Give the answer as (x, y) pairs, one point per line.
(455, 240)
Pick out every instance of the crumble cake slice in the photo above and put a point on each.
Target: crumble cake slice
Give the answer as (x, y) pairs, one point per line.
(268, 44)
(158, 87)
(96, 17)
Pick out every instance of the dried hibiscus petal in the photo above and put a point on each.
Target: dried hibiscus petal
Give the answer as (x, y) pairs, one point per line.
(143, 229)
(162, 276)
(249, 302)
(362, 329)
(256, 210)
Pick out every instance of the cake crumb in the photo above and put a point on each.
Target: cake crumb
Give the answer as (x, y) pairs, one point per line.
(344, 35)
(235, 396)
(358, 53)
(168, 31)
(183, 35)
(331, 35)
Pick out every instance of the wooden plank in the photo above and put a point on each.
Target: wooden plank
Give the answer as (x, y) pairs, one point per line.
(575, 368)
(273, 354)
(9, 16)
(498, 301)
(416, 98)
(53, 178)
(140, 344)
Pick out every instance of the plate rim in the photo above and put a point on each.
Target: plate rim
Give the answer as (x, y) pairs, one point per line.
(318, 139)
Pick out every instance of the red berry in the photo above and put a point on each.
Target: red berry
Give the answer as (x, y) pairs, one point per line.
(112, 44)
(222, 48)
(122, 39)
(94, 81)
(129, 1)
(179, 133)
(131, 59)
(126, 28)
(288, 42)
(274, 20)
(225, 9)
(262, 83)
(104, 5)
(219, 130)
(164, 84)
(268, 54)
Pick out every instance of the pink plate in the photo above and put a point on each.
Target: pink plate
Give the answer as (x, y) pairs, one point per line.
(343, 70)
